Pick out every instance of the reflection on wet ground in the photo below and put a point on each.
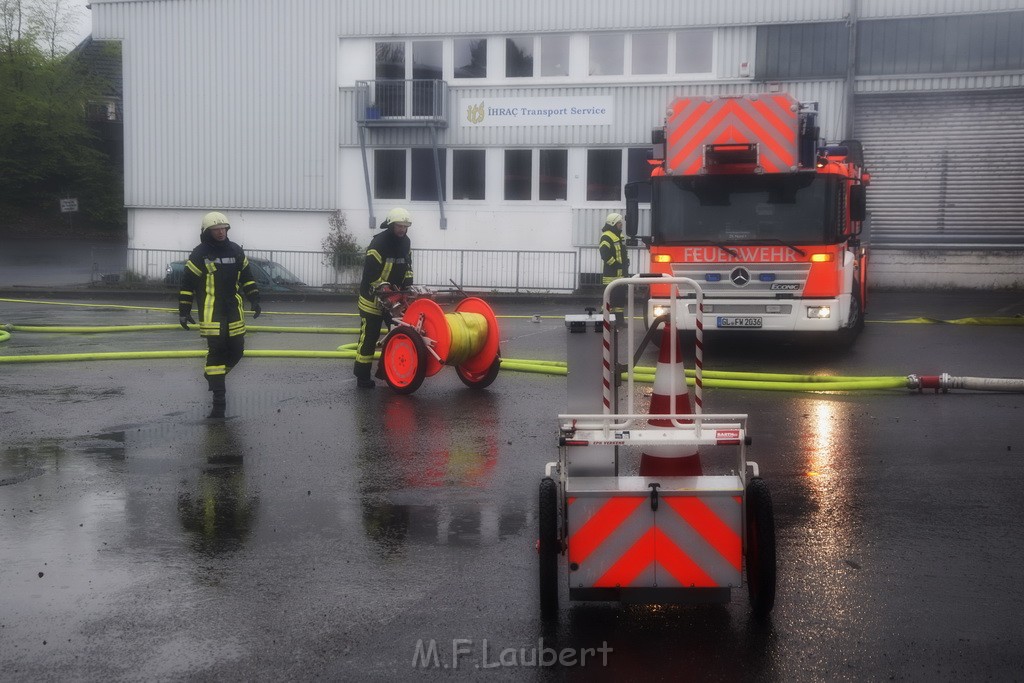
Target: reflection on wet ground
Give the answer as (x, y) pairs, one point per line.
(321, 532)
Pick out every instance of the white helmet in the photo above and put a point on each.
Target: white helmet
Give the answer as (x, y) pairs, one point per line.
(214, 219)
(613, 219)
(397, 215)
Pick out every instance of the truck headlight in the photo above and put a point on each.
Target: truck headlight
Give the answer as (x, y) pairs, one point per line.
(659, 311)
(819, 312)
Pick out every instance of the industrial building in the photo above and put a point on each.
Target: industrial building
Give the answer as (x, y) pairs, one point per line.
(512, 126)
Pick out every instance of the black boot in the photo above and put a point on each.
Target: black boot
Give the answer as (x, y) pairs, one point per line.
(219, 403)
(362, 373)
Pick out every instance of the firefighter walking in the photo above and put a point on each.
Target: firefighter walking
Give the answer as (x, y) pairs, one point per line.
(615, 261)
(388, 262)
(215, 274)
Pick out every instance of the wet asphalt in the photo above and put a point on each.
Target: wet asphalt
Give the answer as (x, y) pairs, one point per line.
(327, 532)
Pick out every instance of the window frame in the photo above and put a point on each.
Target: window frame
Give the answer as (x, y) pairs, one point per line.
(417, 184)
(529, 185)
(405, 172)
(565, 187)
(486, 65)
(621, 173)
(482, 171)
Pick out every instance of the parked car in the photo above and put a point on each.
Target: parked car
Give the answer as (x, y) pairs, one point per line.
(270, 276)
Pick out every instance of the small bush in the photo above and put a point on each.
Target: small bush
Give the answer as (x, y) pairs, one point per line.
(340, 247)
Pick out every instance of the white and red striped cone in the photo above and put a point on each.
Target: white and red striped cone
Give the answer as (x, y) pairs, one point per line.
(670, 461)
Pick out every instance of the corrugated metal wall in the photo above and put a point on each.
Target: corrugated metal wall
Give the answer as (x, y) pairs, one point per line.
(802, 51)
(637, 109)
(228, 103)
(459, 17)
(983, 42)
(877, 9)
(205, 81)
(945, 168)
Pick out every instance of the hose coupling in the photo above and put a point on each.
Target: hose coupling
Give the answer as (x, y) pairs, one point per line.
(943, 382)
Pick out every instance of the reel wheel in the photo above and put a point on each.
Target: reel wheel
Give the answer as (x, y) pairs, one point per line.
(482, 380)
(404, 360)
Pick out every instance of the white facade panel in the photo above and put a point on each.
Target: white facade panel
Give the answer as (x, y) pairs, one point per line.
(179, 229)
(236, 118)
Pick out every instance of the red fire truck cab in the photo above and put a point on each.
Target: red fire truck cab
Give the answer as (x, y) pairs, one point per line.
(747, 201)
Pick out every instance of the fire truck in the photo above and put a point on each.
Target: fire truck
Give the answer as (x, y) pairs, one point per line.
(746, 200)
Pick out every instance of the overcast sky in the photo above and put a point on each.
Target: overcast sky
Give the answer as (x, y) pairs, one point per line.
(84, 26)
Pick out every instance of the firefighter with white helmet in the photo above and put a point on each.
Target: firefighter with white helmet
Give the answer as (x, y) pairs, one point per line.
(387, 265)
(214, 273)
(614, 259)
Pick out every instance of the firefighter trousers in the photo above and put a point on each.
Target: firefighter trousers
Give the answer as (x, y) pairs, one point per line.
(369, 333)
(223, 353)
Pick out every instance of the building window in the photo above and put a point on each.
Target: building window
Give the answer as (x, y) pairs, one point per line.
(607, 54)
(604, 175)
(470, 58)
(518, 174)
(554, 174)
(468, 173)
(424, 179)
(554, 56)
(519, 57)
(637, 169)
(389, 174)
(650, 53)
(390, 66)
(426, 71)
(694, 51)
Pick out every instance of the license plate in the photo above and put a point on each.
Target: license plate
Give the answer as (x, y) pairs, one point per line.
(738, 321)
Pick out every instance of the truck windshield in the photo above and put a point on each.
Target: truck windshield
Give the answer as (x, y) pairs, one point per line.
(801, 208)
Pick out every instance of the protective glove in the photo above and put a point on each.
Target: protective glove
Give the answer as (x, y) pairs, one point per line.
(185, 320)
(256, 309)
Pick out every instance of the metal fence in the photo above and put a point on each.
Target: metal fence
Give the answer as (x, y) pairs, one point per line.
(472, 269)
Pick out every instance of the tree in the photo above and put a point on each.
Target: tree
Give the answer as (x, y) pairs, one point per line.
(47, 149)
(52, 19)
(43, 23)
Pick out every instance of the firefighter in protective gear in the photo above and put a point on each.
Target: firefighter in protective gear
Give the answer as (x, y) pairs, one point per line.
(615, 261)
(215, 273)
(388, 264)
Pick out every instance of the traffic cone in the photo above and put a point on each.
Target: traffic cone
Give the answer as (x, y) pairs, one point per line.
(670, 461)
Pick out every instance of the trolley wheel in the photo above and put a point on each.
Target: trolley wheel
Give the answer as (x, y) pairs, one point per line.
(404, 359)
(760, 554)
(479, 380)
(547, 546)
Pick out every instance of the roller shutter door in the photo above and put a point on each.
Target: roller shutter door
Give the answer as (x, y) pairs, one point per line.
(947, 169)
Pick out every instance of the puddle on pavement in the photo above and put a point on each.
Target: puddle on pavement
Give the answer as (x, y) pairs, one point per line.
(462, 524)
(23, 462)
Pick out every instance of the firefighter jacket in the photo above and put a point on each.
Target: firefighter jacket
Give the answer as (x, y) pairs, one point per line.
(613, 256)
(214, 275)
(388, 259)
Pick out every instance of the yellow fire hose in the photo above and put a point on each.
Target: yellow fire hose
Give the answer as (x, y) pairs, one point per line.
(721, 379)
